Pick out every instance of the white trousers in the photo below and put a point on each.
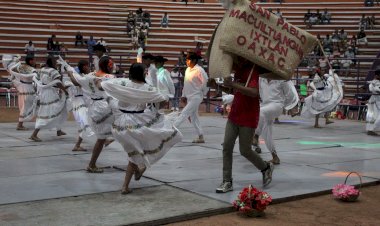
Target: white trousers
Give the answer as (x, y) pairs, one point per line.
(191, 110)
(268, 113)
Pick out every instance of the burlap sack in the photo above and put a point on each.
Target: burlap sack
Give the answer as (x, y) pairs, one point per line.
(220, 62)
(254, 33)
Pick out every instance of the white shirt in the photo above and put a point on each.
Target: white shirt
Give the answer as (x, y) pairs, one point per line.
(96, 62)
(151, 77)
(30, 48)
(175, 76)
(103, 43)
(274, 91)
(164, 82)
(195, 82)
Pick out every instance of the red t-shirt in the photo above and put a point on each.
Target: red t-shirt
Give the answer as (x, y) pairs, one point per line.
(245, 110)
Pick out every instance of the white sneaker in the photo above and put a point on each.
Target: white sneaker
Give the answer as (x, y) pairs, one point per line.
(177, 109)
(172, 109)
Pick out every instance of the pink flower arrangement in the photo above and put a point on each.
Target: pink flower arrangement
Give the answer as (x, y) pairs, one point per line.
(345, 192)
(251, 199)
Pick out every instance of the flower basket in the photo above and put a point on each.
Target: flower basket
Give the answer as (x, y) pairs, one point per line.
(345, 192)
(252, 202)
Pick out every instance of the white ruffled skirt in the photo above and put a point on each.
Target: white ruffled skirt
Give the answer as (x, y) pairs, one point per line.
(100, 118)
(146, 137)
(373, 116)
(321, 101)
(51, 112)
(80, 113)
(26, 95)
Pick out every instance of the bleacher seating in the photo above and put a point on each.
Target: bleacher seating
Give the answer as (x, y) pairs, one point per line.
(36, 20)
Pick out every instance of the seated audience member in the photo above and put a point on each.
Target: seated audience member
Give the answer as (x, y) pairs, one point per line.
(350, 54)
(369, 3)
(78, 38)
(362, 37)
(335, 38)
(30, 49)
(343, 36)
(363, 22)
(327, 42)
(278, 13)
(326, 17)
(353, 44)
(307, 16)
(50, 44)
(63, 50)
(371, 21)
(165, 20)
(319, 16)
(313, 20)
(146, 18)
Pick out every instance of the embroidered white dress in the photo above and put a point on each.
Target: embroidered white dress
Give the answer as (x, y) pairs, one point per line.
(51, 112)
(326, 96)
(100, 116)
(373, 112)
(79, 108)
(145, 134)
(22, 79)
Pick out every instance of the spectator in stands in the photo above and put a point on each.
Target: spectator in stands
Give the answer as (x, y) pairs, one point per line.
(278, 13)
(176, 76)
(142, 39)
(327, 42)
(363, 22)
(100, 51)
(104, 43)
(50, 44)
(343, 36)
(313, 20)
(319, 16)
(369, 3)
(90, 47)
(30, 49)
(139, 12)
(63, 50)
(371, 21)
(335, 62)
(307, 16)
(165, 20)
(323, 63)
(362, 37)
(345, 65)
(146, 18)
(350, 53)
(57, 48)
(353, 44)
(78, 38)
(131, 18)
(326, 17)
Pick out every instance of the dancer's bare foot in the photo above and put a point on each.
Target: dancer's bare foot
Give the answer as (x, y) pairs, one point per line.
(371, 133)
(139, 173)
(275, 160)
(21, 128)
(125, 191)
(35, 138)
(79, 149)
(329, 122)
(60, 133)
(94, 169)
(108, 142)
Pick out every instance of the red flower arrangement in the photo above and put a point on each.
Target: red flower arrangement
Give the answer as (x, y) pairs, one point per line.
(252, 202)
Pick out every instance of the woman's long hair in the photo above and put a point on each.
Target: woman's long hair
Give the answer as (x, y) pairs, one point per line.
(137, 72)
(104, 64)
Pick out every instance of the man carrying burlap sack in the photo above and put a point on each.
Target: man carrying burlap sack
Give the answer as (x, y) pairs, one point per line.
(243, 120)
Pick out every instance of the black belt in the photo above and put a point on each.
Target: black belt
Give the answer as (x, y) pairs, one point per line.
(132, 112)
(78, 96)
(26, 82)
(322, 88)
(101, 98)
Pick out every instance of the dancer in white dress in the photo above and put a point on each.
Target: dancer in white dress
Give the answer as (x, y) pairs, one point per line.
(194, 88)
(144, 133)
(52, 112)
(79, 106)
(275, 95)
(22, 79)
(99, 109)
(328, 92)
(373, 112)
